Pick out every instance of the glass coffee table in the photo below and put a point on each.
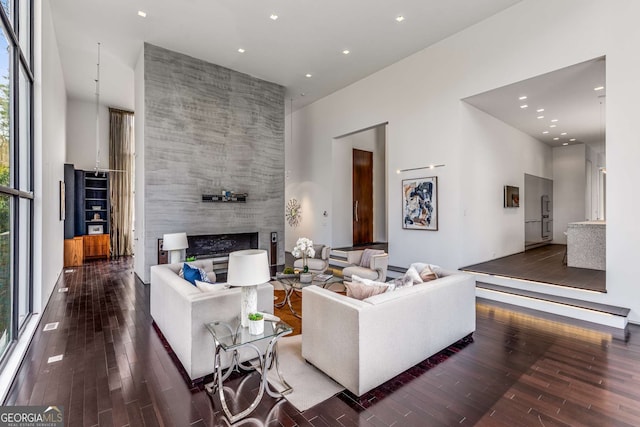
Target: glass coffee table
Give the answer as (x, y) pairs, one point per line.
(230, 337)
(292, 285)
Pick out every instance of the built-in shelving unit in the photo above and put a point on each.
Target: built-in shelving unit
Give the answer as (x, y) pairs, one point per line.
(96, 202)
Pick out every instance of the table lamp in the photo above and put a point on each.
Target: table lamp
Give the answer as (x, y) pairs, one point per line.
(248, 268)
(175, 243)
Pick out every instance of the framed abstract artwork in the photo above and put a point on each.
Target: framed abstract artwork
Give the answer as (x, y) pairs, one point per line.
(420, 203)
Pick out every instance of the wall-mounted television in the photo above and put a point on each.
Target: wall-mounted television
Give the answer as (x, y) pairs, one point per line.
(511, 196)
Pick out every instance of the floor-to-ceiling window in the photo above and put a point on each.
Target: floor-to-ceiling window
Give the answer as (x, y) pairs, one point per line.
(16, 169)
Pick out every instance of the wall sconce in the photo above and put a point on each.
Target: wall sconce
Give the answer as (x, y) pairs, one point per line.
(398, 171)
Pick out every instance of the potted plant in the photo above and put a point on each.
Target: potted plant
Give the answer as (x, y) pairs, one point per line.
(304, 249)
(256, 323)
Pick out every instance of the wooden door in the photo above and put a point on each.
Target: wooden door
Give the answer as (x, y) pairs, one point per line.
(362, 197)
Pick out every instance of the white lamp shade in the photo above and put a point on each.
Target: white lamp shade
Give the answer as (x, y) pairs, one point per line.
(175, 241)
(248, 268)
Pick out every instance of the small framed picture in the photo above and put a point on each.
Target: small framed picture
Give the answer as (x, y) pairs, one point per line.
(63, 214)
(94, 229)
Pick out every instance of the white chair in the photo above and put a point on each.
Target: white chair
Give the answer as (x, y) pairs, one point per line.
(376, 269)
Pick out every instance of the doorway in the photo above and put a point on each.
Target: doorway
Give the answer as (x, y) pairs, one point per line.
(346, 183)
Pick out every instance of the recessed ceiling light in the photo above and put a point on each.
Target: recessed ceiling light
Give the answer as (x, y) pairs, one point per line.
(522, 98)
(241, 50)
(346, 51)
(524, 106)
(545, 132)
(563, 134)
(572, 139)
(565, 143)
(554, 120)
(399, 18)
(142, 13)
(552, 126)
(307, 75)
(273, 16)
(598, 88)
(541, 117)
(556, 138)
(540, 110)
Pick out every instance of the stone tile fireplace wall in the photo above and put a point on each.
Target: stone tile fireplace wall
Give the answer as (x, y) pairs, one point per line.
(206, 129)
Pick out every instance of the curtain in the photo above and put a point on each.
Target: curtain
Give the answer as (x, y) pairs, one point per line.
(121, 180)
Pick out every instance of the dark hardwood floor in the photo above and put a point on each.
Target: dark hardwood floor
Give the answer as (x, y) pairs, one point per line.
(519, 370)
(544, 264)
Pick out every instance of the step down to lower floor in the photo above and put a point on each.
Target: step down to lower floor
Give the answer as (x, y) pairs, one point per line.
(584, 310)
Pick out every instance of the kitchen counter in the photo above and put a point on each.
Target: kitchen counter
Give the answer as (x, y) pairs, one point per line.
(586, 244)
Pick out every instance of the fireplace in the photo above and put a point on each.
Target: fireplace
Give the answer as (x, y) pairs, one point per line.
(214, 245)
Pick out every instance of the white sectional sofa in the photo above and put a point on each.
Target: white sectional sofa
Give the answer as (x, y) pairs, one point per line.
(181, 310)
(362, 344)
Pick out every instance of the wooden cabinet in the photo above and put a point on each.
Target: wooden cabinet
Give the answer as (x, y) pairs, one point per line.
(73, 252)
(96, 246)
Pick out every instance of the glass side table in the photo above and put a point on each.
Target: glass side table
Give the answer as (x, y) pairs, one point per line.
(230, 337)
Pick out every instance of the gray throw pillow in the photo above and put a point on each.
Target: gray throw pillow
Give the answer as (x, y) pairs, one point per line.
(318, 249)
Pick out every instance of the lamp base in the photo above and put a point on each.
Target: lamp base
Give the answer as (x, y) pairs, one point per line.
(248, 303)
(175, 256)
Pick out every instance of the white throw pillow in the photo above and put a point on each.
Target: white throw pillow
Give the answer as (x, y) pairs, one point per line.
(415, 276)
(390, 286)
(211, 287)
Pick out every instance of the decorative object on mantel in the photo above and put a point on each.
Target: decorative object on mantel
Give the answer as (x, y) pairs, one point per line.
(225, 196)
(175, 243)
(248, 269)
(420, 203)
(293, 212)
(304, 249)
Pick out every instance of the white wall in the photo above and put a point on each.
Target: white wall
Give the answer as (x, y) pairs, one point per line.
(49, 157)
(498, 155)
(139, 220)
(372, 140)
(596, 159)
(420, 99)
(569, 183)
(81, 134)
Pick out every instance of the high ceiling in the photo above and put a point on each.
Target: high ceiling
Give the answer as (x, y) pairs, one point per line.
(308, 37)
(568, 97)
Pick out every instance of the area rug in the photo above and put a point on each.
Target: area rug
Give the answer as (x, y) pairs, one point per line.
(310, 385)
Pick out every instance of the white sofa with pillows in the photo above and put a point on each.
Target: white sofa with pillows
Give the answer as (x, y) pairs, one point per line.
(181, 310)
(363, 343)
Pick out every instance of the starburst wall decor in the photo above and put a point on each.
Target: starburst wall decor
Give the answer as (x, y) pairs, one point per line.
(293, 212)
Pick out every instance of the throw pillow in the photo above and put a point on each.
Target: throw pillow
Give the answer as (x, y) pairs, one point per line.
(403, 282)
(427, 274)
(361, 291)
(192, 273)
(365, 261)
(211, 287)
(211, 276)
(390, 286)
(318, 250)
(414, 275)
